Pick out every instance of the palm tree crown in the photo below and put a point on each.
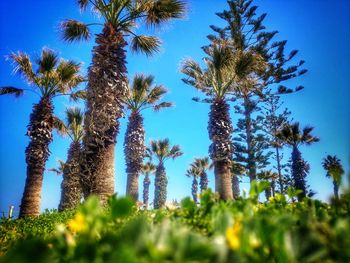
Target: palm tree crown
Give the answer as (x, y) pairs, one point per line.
(143, 94)
(292, 135)
(148, 168)
(51, 77)
(333, 167)
(162, 151)
(125, 16)
(74, 124)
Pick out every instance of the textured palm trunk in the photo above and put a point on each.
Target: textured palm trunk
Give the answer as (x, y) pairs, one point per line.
(134, 150)
(235, 186)
(203, 181)
(220, 151)
(251, 165)
(336, 189)
(106, 90)
(298, 173)
(70, 187)
(160, 187)
(40, 135)
(195, 189)
(146, 184)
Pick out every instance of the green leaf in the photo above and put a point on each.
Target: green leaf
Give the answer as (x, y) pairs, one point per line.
(121, 207)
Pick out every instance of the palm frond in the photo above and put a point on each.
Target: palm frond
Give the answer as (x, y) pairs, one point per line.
(59, 125)
(22, 65)
(11, 90)
(73, 30)
(83, 4)
(163, 10)
(145, 44)
(47, 61)
(75, 116)
(162, 105)
(80, 94)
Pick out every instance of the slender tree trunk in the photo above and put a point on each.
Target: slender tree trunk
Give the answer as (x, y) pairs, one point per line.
(203, 181)
(251, 165)
(195, 189)
(273, 188)
(268, 193)
(160, 187)
(134, 150)
(146, 184)
(336, 189)
(279, 169)
(70, 188)
(40, 135)
(235, 186)
(107, 86)
(298, 173)
(220, 151)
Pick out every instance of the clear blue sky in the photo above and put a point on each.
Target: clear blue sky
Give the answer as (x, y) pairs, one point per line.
(318, 28)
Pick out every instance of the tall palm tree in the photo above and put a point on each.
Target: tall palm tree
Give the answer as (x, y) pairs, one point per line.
(147, 169)
(51, 78)
(140, 96)
(223, 75)
(162, 151)
(203, 165)
(71, 190)
(334, 170)
(292, 135)
(107, 75)
(194, 173)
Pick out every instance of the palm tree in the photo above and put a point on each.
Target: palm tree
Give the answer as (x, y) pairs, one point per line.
(203, 165)
(194, 173)
(162, 151)
(71, 189)
(294, 137)
(237, 170)
(141, 95)
(107, 75)
(147, 169)
(271, 177)
(334, 170)
(51, 78)
(223, 75)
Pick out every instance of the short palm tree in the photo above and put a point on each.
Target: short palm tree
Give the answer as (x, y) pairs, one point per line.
(71, 187)
(194, 173)
(334, 170)
(162, 151)
(107, 76)
(237, 170)
(223, 75)
(51, 78)
(147, 169)
(203, 165)
(271, 177)
(142, 94)
(292, 135)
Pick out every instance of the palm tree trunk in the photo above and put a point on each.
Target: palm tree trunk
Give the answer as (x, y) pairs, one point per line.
(160, 187)
(336, 189)
(40, 134)
(203, 181)
(273, 188)
(106, 89)
(134, 150)
(235, 186)
(298, 173)
(195, 189)
(146, 184)
(220, 151)
(70, 188)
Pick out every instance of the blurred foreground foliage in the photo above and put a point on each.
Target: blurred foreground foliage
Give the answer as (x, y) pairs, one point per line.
(241, 231)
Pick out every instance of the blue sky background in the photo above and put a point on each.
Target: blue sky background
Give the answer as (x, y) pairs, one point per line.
(319, 29)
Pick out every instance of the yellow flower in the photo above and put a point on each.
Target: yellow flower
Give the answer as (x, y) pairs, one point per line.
(78, 223)
(232, 235)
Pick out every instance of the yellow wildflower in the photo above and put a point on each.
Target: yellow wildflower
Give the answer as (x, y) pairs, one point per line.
(232, 235)
(78, 223)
